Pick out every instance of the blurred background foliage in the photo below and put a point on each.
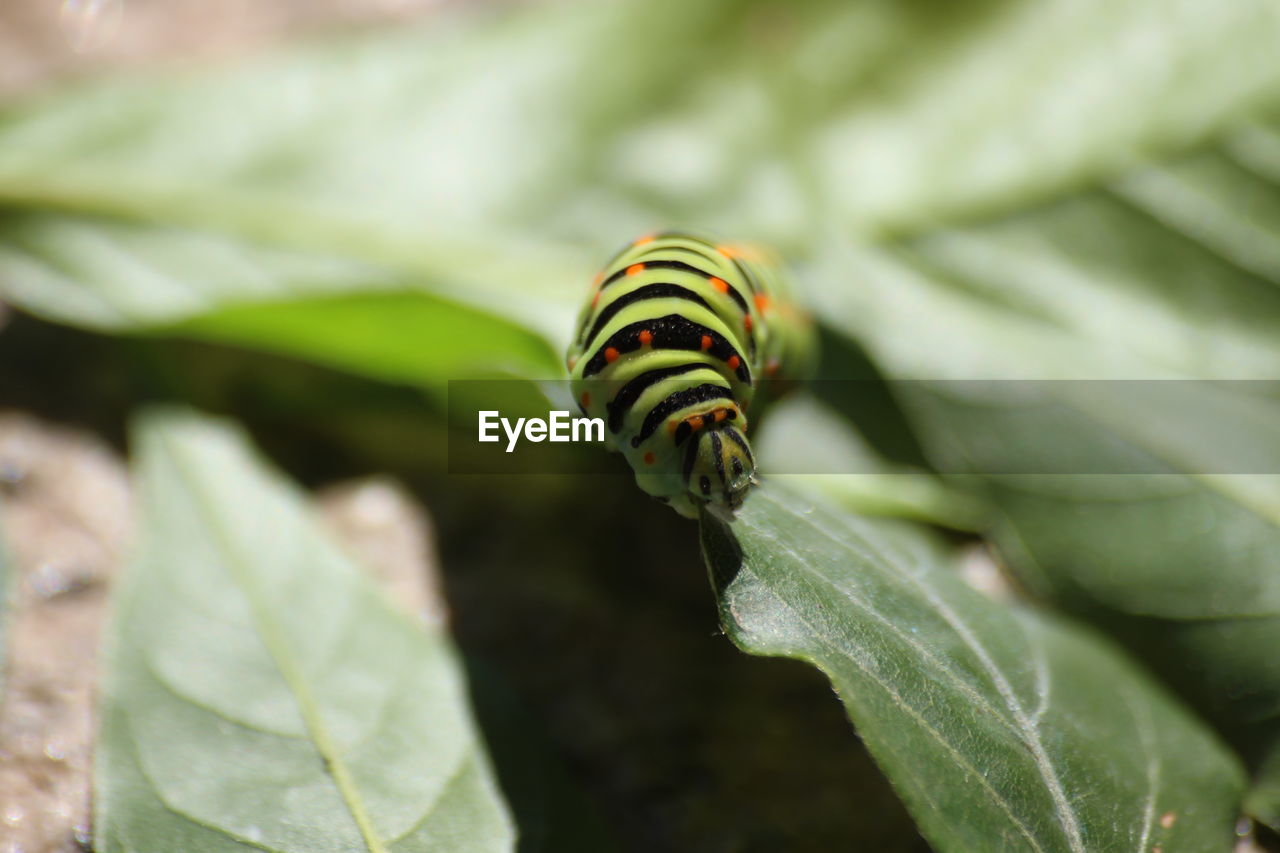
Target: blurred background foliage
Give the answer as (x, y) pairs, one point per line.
(315, 238)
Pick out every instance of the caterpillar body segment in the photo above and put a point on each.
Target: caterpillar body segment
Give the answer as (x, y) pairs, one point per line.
(677, 338)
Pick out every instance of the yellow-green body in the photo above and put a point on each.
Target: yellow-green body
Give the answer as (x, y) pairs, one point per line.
(689, 332)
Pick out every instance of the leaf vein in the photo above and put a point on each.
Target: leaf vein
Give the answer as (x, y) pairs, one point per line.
(1143, 723)
(281, 654)
(957, 682)
(914, 713)
(1027, 727)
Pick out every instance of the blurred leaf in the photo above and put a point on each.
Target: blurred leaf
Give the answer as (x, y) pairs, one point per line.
(472, 156)
(1170, 273)
(809, 447)
(1105, 284)
(485, 118)
(8, 577)
(113, 275)
(412, 338)
(1001, 728)
(341, 313)
(260, 693)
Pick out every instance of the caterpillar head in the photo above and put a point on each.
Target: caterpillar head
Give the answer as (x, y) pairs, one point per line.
(719, 469)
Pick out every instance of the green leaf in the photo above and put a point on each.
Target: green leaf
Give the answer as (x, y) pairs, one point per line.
(412, 338)
(1001, 728)
(1166, 274)
(474, 158)
(808, 447)
(260, 693)
(8, 577)
(342, 313)
(480, 121)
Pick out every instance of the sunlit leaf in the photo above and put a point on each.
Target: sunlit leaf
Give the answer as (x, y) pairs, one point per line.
(1163, 276)
(346, 314)
(495, 159)
(260, 692)
(809, 447)
(6, 598)
(408, 337)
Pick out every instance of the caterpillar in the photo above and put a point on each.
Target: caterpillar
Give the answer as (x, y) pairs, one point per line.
(677, 340)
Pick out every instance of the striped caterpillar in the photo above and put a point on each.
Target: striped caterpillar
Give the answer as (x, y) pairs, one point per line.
(675, 343)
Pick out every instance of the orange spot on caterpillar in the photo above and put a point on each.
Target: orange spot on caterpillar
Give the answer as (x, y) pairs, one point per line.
(595, 282)
(610, 355)
(1168, 819)
(721, 414)
(719, 284)
(727, 251)
(733, 362)
(762, 302)
(695, 422)
(649, 459)
(595, 299)
(672, 426)
(572, 362)
(640, 241)
(746, 323)
(586, 399)
(635, 269)
(646, 337)
(706, 342)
